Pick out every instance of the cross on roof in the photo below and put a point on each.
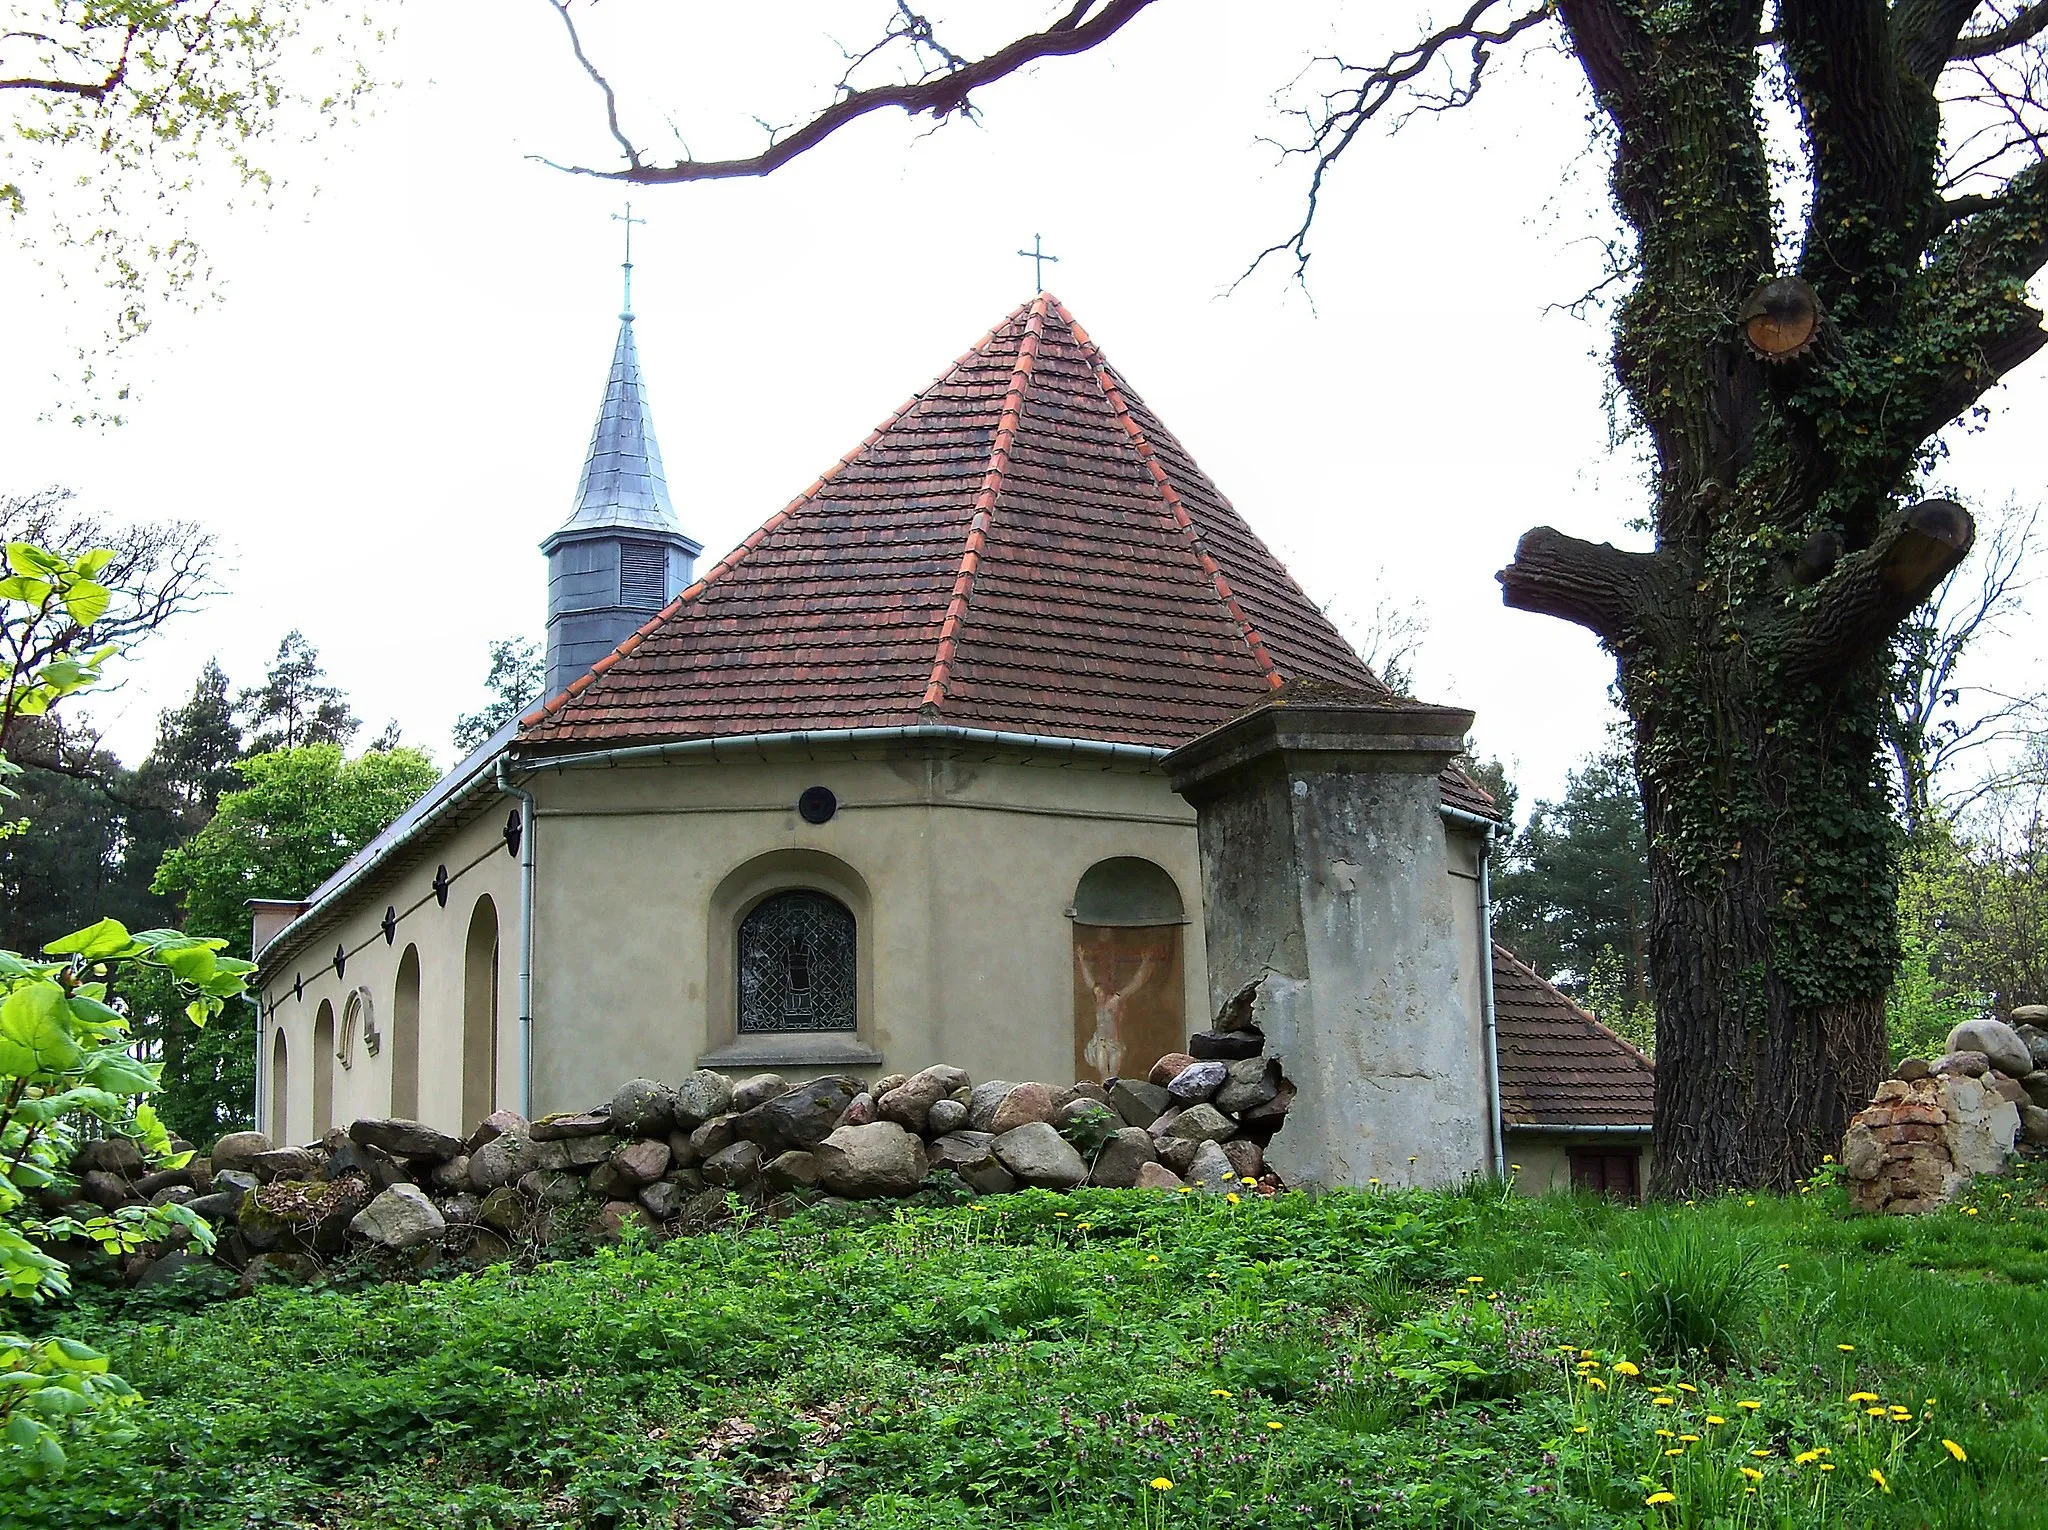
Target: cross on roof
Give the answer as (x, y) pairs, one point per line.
(1037, 256)
(629, 220)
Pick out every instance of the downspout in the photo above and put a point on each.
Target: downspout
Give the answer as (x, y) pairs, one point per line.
(1490, 828)
(526, 864)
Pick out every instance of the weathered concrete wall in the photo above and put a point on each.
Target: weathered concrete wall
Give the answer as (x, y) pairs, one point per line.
(1542, 1164)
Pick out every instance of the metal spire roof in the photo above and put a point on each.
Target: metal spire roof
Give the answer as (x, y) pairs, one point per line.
(623, 487)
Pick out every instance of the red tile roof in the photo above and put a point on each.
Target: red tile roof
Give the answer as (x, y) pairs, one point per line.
(1558, 1065)
(1022, 546)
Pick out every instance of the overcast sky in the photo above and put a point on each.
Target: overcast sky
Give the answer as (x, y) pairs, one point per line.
(389, 410)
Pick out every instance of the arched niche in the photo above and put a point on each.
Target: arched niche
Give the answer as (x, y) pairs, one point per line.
(480, 1014)
(750, 892)
(280, 1087)
(405, 1038)
(1129, 998)
(323, 1069)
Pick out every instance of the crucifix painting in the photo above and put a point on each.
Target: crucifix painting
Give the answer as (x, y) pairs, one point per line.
(1128, 1005)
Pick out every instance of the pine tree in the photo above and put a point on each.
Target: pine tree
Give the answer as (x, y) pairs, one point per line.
(197, 747)
(292, 707)
(518, 670)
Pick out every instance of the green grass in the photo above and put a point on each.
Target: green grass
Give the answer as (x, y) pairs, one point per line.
(1042, 1360)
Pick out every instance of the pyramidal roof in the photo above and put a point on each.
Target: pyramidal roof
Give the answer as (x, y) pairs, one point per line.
(1022, 546)
(623, 487)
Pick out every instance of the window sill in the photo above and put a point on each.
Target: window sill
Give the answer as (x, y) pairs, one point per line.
(793, 1049)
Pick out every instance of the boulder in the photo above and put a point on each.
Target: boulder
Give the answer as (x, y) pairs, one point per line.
(574, 1152)
(643, 1107)
(1981, 1126)
(1022, 1105)
(1168, 1068)
(452, 1175)
(235, 1181)
(642, 1162)
(1236, 1012)
(960, 1150)
(502, 1160)
(1122, 1155)
(1139, 1103)
(699, 1097)
(217, 1207)
(2028, 1014)
(757, 1090)
(910, 1102)
(682, 1152)
(1197, 1081)
(2035, 1037)
(984, 1099)
(373, 1164)
(407, 1139)
(1961, 1065)
(1084, 1122)
(494, 1126)
(606, 1183)
(1247, 1159)
(1201, 1123)
(888, 1083)
(504, 1208)
(1156, 1176)
(712, 1136)
(401, 1217)
(1262, 1121)
(2036, 1085)
(988, 1177)
(945, 1116)
(664, 1199)
(104, 1189)
(1177, 1153)
(1040, 1156)
(734, 1167)
(2007, 1088)
(1997, 1041)
(860, 1111)
(613, 1218)
(238, 1150)
(1252, 1082)
(868, 1162)
(566, 1125)
(1211, 1169)
(561, 1189)
(1061, 1096)
(1913, 1068)
(109, 1155)
(2034, 1124)
(794, 1170)
(460, 1210)
(798, 1118)
(286, 1163)
(1226, 1046)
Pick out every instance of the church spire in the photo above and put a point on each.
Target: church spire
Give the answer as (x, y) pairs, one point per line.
(622, 554)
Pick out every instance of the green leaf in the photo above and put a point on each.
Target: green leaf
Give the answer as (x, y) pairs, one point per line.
(192, 963)
(86, 602)
(96, 942)
(33, 1035)
(30, 592)
(118, 1073)
(27, 558)
(90, 564)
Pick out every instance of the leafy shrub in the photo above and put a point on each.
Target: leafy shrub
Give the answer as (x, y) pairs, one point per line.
(1676, 1291)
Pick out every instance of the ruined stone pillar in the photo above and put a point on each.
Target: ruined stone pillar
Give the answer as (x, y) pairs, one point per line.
(1324, 873)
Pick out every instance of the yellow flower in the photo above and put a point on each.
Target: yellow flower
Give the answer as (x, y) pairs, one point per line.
(1061, 1216)
(1875, 1412)
(1151, 1258)
(1567, 1349)
(1233, 1197)
(1955, 1450)
(1847, 1349)
(1749, 1203)
(1676, 1450)
(1827, 1158)
(1219, 1392)
(1968, 1211)
(1666, 1434)
(977, 1206)
(1162, 1484)
(1656, 1498)
(1274, 1423)
(1900, 1415)
(1411, 1158)
(1878, 1477)
(1862, 1397)
(1762, 1454)
(1690, 1439)
(1248, 1180)
(1827, 1466)
(1664, 1402)
(1715, 1418)
(1686, 1386)
(1475, 1280)
(1084, 1226)
(1626, 1368)
(1182, 1190)
(1372, 1182)
(1783, 1267)
(1595, 1381)
(1751, 1473)
(1580, 1429)
(1807, 1457)
(1514, 1168)
(1750, 1404)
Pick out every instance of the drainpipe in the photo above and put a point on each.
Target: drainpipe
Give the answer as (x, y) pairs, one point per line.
(526, 825)
(1491, 829)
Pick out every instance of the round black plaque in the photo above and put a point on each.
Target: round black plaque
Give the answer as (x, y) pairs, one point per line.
(817, 804)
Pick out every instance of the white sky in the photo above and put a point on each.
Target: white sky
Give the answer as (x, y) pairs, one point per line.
(390, 409)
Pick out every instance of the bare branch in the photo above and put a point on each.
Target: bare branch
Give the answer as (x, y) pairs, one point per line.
(940, 96)
(611, 99)
(1597, 585)
(2025, 27)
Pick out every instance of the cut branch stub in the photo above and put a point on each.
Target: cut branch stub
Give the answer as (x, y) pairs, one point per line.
(1861, 604)
(1782, 320)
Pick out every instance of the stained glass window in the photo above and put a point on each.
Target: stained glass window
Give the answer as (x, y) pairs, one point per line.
(796, 964)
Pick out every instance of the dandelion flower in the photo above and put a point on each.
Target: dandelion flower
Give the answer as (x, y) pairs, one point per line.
(1182, 1190)
(1807, 1457)
(1475, 1280)
(1626, 1368)
(1656, 1498)
(1274, 1423)
(1676, 1450)
(1372, 1182)
(1686, 1386)
(1411, 1158)
(1750, 1403)
(1900, 1415)
(1762, 1454)
(1233, 1197)
(1061, 1216)
(1749, 1203)
(1690, 1439)
(1827, 1466)
(1666, 1434)
(1248, 1180)
(1751, 1473)
(1664, 1402)
(1567, 1349)
(1955, 1450)
(1715, 1418)
(1862, 1397)
(1151, 1258)
(1783, 1267)
(1162, 1484)
(1514, 1168)
(1219, 1391)
(1875, 1412)
(1595, 1381)
(1878, 1477)
(1847, 1349)
(1968, 1211)
(1581, 1429)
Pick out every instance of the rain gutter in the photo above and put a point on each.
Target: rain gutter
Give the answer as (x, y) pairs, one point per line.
(526, 884)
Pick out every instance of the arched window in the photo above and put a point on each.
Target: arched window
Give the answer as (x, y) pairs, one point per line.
(323, 1070)
(797, 964)
(1128, 993)
(280, 1087)
(480, 1015)
(405, 1038)
(358, 1028)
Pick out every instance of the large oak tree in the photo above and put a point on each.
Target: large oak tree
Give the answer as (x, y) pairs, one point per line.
(1791, 344)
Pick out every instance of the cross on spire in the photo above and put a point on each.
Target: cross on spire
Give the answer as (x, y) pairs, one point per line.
(1037, 256)
(629, 220)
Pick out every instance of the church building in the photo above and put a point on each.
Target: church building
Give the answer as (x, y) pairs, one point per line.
(886, 785)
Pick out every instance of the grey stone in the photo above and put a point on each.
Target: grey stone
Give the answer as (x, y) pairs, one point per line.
(1913, 1068)
(664, 1199)
(1168, 1068)
(2007, 1088)
(1247, 1158)
(460, 1210)
(1157, 1176)
(217, 1207)
(238, 1150)
(1040, 1156)
(712, 1136)
(502, 1160)
(561, 1189)
(372, 1164)
(2036, 1085)
(961, 1150)
(945, 1116)
(1202, 1123)
(1088, 1089)
(910, 1102)
(1261, 1121)
(494, 1126)
(1082, 1117)
(1236, 1012)
(1251, 1084)
(1981, 1126)
(2036, 1040)
(166, 1266)
(574, 1152)
(240, 1181)
(988, 1177)
(613, 1218)
(860, 1111)
(1061, 1098)
(452, 1175)
(109, 1155)
(888, 1083)
(401, 1217)
(1139, 1103)
(1198, 1081)
(734, 1167)
(869, 1162)
(642, 1162)
(2034, 1123)
(1211, 1170)
(1961, 1065)
(406, 1139)
(566, 1125)
(699, 1097)
(1024, 1104)
(2028, 1014)
(1122, 1155)
(984, 1100)
(504, 1208)
(1225, 1046)
(643, 1107)
(681, 1150)
(1997, 1041)
(174, 1195)
(105, 1190)
(797, 1118)
(607, 1183)
(757, 1090)
(286, 1163)
(1177, 1153)
(794, 1170)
